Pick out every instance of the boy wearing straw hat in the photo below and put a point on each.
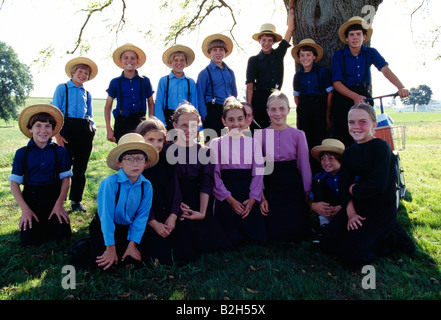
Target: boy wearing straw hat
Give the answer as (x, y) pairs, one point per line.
(216, 82)
(43, 168)
(312, 93)
(79, 129)
(124, 200)
(175, 88)
(132, 93)
(351, 73)
(325, 196)
(265, 70)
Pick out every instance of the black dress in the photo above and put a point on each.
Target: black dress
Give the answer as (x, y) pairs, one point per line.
(371, 166)
(193, 177)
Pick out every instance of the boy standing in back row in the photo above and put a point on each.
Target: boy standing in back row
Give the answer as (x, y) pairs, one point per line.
(131, 91)
(265, 70)
(351, 74)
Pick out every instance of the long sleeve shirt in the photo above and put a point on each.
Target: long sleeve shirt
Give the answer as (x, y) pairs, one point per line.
(286, 145)
(131, 209)
(223, 83)
(79, 101)
(237, 153)
(179, 90)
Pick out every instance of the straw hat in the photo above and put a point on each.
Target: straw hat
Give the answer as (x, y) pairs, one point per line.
(82, 60)
(28, 112)
(355, 20)
(310, 43)
(213, 37)
(188, 52)
(267, 29)
(129, 47)
(328, 145)
(132, 141)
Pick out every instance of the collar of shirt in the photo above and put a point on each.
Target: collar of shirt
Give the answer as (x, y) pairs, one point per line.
(32, 143)
(302, 70)
(70, 84)
(347, 50)
(213, 66)
(121, 177)
(123, 76)
(172, 75)
(263, 55)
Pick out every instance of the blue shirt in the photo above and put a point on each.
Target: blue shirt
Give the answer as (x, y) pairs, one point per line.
(40, 164)
(178, 93)
(224, 85)
(315, 82)
(355, 70)
(130, 209)
(330, 181)
(79, 104)
(134, 94)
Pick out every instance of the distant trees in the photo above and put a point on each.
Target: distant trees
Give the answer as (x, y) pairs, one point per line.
(16, 83)
(418, 96)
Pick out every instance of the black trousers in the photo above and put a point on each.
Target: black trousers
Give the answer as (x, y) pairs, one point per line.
(79, 135)
(125, 125)
(259, 101)
(213, 120)
(41, 200)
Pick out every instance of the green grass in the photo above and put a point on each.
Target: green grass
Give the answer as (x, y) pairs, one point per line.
(276, 271)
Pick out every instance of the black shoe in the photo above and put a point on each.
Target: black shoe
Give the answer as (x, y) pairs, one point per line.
(78, 206)
(319, 234)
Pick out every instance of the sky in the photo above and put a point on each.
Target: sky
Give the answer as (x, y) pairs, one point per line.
(29, 26)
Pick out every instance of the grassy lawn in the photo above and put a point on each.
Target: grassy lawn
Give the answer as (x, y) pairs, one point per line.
(276, 271)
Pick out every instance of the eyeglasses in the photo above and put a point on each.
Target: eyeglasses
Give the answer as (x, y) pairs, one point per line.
(138, 159)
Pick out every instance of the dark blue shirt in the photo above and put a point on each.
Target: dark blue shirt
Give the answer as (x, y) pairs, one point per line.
(355, 70)
(134, 94)
(330, 183)
(315, 82)
(40, 164)
(224, 85)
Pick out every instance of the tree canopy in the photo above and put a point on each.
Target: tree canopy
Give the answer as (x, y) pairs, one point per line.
(16, 83)
(418, 96)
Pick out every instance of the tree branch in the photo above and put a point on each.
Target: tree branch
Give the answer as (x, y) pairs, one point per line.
(92, 9)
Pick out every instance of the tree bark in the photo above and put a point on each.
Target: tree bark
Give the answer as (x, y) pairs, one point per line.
(321, 19)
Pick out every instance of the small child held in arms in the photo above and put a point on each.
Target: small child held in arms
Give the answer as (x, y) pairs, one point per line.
(124, 200)
(43, 167)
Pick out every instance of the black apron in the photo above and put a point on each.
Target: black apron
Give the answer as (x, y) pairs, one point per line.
(287, 217)
(237, 229)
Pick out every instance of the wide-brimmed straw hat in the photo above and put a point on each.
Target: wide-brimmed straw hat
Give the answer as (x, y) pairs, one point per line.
(82, 60)
(217, 36)
(267, 29)
(28, 112)
(355, 20)
(129, 47)
(310, 43)
(328, 145)
(178, 48)
(132, 141)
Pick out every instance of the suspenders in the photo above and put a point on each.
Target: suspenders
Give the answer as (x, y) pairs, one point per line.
(26, 169)
(166, 93)
(213, 99)
(66, 116)
(366, 71)
(121, 96)
(119, 190)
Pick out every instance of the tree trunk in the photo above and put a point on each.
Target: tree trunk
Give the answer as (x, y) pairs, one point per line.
(321, 19)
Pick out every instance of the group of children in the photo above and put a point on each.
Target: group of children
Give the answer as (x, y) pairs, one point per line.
(173, 198)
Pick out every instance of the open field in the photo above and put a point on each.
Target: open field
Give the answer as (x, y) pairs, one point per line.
(276, 271)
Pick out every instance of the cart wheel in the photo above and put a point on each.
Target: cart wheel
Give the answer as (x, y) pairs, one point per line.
(401, 185)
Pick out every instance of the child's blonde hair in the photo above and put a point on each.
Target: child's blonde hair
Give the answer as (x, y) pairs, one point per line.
(152, 124)
(232, 103)
(81, 66)
(277, 95)
(185, 108)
